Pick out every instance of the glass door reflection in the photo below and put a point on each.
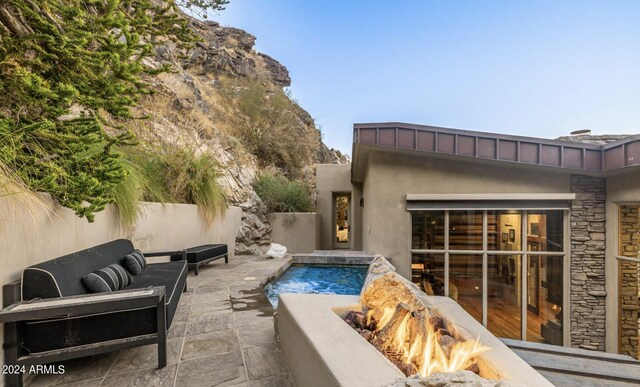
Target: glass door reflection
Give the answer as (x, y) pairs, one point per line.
(342, 221)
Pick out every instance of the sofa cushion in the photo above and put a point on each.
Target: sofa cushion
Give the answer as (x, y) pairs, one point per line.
(62, 276)
(108, 279)
(171, 275)
(135, 262)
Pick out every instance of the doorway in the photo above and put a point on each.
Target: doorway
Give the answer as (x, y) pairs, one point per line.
(342, 220)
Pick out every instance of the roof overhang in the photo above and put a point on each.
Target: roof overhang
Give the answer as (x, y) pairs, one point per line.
(492, 148)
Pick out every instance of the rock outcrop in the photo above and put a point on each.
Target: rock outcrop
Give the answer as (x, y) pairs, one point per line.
(254, 233)
(230, 51)
(188, 109)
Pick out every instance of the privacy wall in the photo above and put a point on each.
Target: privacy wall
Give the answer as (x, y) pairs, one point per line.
(26, 240)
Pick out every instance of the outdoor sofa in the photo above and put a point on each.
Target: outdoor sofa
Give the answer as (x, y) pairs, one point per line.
(59, 319)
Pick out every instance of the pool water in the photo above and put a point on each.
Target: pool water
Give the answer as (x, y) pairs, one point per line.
(345, 280)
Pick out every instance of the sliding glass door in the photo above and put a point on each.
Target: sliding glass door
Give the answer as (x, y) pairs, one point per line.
(504, 267)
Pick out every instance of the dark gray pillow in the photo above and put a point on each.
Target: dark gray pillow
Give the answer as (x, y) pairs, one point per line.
(135, 262)
(108, 279)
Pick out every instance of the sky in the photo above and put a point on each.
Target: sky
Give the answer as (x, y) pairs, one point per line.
(534, 68)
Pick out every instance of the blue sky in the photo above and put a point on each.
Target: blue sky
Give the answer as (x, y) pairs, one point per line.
(540, 68)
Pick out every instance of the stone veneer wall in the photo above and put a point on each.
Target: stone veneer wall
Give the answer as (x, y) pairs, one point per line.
(629, 246)
(588, 263)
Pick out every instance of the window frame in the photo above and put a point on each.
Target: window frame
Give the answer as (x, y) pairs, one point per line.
(524, 253)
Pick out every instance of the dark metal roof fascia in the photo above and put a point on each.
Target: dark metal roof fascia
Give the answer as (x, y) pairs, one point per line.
(565, 155)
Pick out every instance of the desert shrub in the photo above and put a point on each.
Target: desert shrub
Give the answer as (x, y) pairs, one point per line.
(192, 178)
(168, 173)
(271, 126)
(128, 194)
(280, 194)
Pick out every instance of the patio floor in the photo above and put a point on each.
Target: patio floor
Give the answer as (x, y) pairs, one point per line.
(222, 335)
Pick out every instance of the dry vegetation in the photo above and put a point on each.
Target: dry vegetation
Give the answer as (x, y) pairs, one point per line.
(266, 121)
(247, 117)
(16, 195)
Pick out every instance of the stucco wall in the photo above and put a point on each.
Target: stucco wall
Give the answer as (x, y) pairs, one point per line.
(25, 241)
(330, 179)
(621, 189)
(299, 231)
(390, 176)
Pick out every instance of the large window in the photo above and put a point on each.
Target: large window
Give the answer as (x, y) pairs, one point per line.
(504, 267)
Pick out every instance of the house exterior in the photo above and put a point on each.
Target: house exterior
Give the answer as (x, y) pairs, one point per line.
(535, 238)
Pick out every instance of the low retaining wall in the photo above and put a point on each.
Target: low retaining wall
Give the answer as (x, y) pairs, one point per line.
(25, 241)
(298, 231)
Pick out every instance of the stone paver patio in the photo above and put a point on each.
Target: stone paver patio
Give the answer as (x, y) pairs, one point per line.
(222, 335)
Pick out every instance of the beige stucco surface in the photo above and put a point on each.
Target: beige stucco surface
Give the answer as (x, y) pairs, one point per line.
(330, 179)
(299, 232)
(621, 189)
(26, 240)
(391, 176)
(321, 350)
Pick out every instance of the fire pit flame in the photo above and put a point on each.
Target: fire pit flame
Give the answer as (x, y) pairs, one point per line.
(430, 350)
(401, 322)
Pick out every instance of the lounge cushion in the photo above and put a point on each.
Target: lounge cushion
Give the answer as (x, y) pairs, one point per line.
(108, 279)
(200, 253)
(135, 262)
(171, 275)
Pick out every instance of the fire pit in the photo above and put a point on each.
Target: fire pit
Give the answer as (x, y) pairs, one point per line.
(417, 345)
(392, 331)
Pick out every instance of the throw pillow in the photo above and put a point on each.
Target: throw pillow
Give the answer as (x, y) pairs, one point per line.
(108, 279)
(135, 262)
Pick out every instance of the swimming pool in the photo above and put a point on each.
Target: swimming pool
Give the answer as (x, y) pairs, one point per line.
(315, 279)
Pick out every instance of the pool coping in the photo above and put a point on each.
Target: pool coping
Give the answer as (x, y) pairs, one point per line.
(331, 260)
(277, 273)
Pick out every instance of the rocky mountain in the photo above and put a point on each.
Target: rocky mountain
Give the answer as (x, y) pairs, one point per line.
(191, 107)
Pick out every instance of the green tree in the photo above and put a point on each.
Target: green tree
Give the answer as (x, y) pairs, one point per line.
(70, 70)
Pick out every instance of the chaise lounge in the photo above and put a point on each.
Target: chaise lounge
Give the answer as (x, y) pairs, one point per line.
(53, 316)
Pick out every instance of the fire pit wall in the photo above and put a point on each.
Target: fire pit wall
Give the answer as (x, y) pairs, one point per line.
(322, 350)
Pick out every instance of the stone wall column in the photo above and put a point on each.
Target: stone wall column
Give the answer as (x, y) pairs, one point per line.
(588, 263)
(628, 290)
